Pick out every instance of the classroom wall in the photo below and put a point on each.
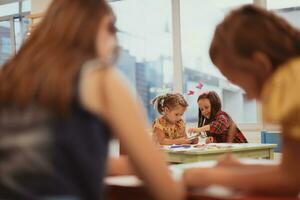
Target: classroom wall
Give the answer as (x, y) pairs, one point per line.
(252, 136)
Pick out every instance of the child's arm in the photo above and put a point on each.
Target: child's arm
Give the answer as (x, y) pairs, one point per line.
(219, 126)
(252, 179)
(255, 179)
(119, 166)
(163, 140)
(183, 134)
(200, 129)
(100, 93)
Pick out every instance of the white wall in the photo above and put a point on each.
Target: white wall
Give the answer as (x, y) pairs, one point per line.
(233, 101)
(252, 136)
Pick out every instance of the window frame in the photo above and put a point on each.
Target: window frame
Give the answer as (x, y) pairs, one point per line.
(11, 19)
(177, 59)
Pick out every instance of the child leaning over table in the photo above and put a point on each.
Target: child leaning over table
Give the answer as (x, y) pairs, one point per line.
(169, 128)
(260, 52)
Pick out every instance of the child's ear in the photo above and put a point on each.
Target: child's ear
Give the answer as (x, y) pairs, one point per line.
(265, 66)
(166, 109)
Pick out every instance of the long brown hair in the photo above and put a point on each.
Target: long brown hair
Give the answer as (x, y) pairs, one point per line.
(215, 103)
(44, 70)
(249, 29)
(170, 100)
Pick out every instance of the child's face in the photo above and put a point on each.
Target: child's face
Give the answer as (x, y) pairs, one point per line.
(246, 81)
(205, 107)
(175, 114)
(106, 40)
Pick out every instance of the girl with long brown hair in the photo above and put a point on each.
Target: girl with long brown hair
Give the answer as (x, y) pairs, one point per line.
(260, 52)
(215, 123)
(59, 106)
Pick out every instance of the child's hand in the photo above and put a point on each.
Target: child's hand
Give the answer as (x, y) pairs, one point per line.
(185, 141)
(193, 130)
(194, 141)
(209, 140)
(204, 177)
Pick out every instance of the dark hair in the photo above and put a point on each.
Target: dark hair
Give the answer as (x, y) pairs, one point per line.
(170, 101)
(44, 70)
(216, 106)
(249, 29)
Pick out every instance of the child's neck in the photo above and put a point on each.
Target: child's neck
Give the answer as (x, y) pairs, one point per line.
(168, 121)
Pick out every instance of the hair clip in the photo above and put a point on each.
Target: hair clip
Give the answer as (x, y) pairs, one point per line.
(162, 102)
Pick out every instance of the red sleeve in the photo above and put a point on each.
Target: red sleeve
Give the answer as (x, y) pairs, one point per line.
(219, 126)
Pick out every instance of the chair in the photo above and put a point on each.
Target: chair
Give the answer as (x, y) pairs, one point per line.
(268, 137)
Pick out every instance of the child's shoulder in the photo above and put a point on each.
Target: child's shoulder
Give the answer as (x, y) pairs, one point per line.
(280, 92)
(280, 96)
(222, 114)
(159, 121)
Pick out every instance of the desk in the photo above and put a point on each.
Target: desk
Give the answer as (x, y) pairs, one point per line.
(122, 188)
(139, 193)
(214, 150)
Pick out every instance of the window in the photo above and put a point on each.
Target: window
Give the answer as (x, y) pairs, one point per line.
(21, 28)
(291, 15)
(26, 5)
(5, 42)
(145, 38)
(13, 27)
(279, 4)
(146, 57)
(198, 22)
(9, 9)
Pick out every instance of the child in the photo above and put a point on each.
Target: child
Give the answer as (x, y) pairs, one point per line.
(214, 122)
(260, 52)
(170, 128)
(57, 112)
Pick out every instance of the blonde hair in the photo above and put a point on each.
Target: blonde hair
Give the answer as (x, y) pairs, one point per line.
(169, 100)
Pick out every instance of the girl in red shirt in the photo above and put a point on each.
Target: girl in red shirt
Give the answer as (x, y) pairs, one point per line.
(214, 123)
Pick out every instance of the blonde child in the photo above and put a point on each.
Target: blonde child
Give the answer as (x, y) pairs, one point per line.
(214, 122)
(260, 52)
(170, 128)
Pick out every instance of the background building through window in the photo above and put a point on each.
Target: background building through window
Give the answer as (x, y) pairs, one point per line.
(198, 22)
(145, 38)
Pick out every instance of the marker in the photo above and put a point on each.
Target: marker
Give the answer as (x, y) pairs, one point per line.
(180, 146)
